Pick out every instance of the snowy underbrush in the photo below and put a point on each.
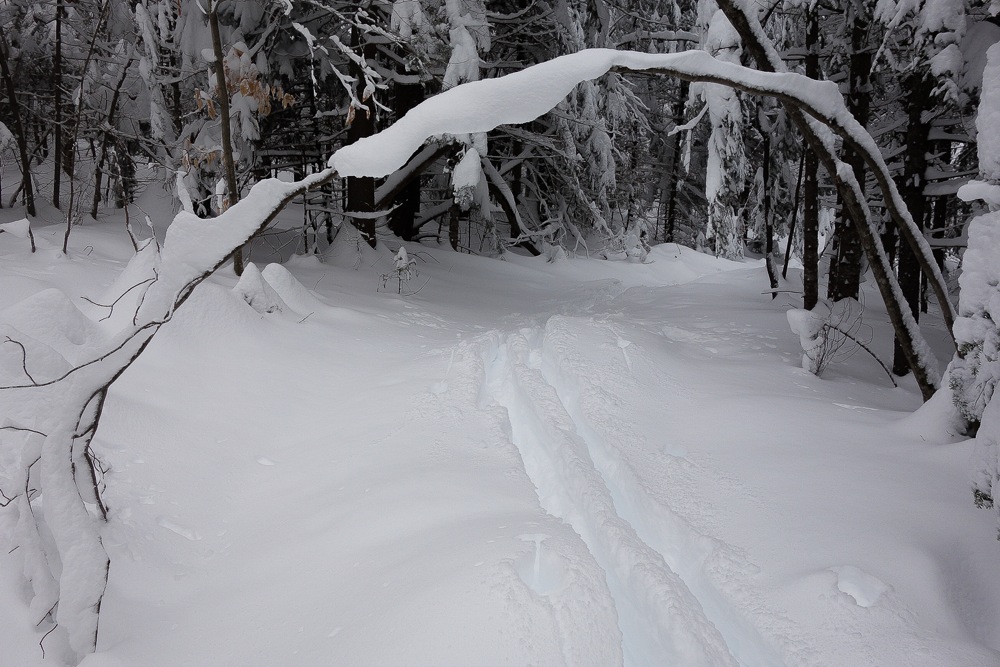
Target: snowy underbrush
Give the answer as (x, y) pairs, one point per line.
(524, 462)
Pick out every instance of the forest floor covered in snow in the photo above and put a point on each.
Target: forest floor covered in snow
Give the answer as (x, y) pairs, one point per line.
(521, 462)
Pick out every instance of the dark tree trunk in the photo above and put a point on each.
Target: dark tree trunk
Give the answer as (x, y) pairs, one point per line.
(15, 114)
(517, 174)
(670, 223)
(409, 93)
(772, 274)
(795, 213)
(361, 190)
(911, 189)
(454, 226)
(845, 267)
(57, 104)
(227, 140)
(108, 138)
(810, 187)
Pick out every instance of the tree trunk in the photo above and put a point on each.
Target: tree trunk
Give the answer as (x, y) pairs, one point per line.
(454, 226)
(15, 114)
(107, 139)
(57, 103)
(361, 190)
(409, 93)
(233, 192)
(911, 188)
(795, 213)
(810, 187)
(772, 274)
(516, 185)
(670, 223)
(845, 268)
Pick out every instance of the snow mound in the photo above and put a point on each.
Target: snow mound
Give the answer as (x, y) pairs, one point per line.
(51, 318)
(213, 314)
(350, 250)
(936, 421)
(24, 359)
(288, 287)
(18, 228)
(865, 588)
(258, 293)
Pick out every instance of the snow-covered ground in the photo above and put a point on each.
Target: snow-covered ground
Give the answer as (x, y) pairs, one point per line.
(525, 463)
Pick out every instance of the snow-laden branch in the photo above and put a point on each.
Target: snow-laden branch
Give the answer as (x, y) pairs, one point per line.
(480, 106)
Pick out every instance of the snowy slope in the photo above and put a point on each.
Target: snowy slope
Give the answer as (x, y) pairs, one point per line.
(579, 463)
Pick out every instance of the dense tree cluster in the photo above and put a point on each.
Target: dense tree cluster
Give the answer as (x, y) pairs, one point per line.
(625, 161)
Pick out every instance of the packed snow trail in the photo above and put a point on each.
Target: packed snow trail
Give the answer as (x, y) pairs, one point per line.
(589, 388)
(600, 463)
(661, 621)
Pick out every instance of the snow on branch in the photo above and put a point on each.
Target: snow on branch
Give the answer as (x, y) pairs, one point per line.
(480, 106)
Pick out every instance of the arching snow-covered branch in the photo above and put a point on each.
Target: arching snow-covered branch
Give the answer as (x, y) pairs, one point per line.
(480, 106)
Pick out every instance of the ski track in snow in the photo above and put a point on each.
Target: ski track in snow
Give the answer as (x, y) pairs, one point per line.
(660, 618)
(681, 596)
(712, 569)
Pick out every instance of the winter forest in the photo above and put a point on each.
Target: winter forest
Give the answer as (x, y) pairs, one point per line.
(499, 332)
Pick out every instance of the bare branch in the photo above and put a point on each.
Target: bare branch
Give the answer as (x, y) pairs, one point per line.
(114, 303)
(24, 358)
(21, 428)
(154, 325)
(867, 349)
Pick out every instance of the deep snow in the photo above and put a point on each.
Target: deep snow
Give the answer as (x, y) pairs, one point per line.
(580, 462)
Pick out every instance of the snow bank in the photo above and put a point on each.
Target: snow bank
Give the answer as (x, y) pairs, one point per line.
(258, 293)
(19, 228)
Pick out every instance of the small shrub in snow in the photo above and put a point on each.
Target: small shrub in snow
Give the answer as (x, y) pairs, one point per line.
(830, 332)
(404, 269)
(811, 328)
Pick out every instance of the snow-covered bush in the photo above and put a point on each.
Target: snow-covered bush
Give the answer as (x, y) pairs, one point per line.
(976, 369)
(831, 332)
(974, 374)
(403, 269)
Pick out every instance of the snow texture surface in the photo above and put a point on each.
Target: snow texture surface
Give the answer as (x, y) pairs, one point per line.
(601, 463)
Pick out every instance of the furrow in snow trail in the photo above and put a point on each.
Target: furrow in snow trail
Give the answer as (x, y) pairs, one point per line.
(588, 394)
(661, 622)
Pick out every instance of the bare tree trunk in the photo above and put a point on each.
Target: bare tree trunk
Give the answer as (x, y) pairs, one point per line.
(911, 187)
(810, 187)
(361, 190)
(57, 74)
(409, 93)
(454, 226)
(15, 114)
(233, 194)
(670, 223)
(845, 268)
(74, 122)
(795, 213)
(772, 273)
(108, 137)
